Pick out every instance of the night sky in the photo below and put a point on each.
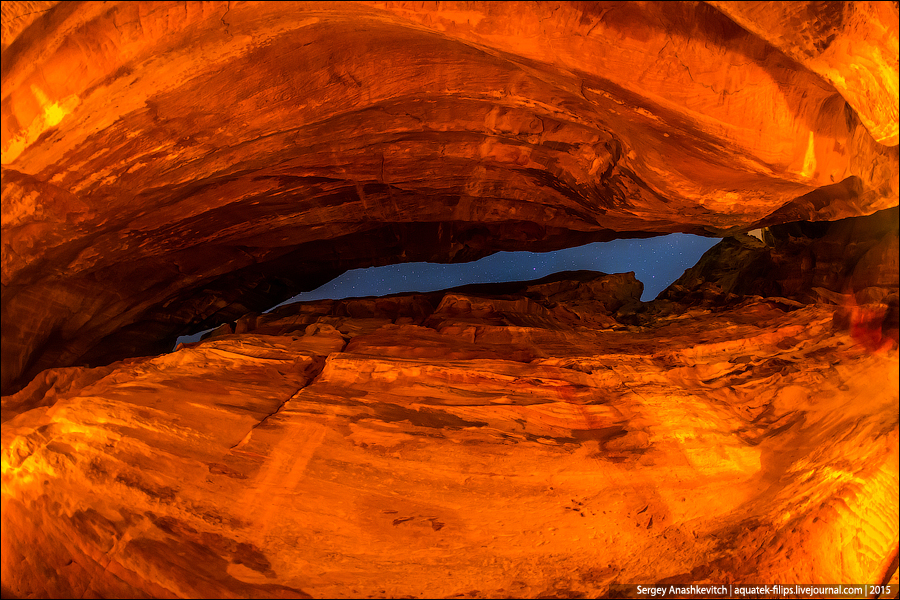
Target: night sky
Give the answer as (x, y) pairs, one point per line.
(656, 262)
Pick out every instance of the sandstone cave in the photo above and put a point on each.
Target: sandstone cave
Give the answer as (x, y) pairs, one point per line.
(169, 168)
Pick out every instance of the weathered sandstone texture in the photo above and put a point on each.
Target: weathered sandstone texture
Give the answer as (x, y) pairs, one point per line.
(462, 443)
(171, 167)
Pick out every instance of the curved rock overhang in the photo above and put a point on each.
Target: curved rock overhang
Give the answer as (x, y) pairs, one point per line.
(170, 166)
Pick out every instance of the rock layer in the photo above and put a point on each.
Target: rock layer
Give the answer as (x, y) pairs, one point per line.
(169, 166)
(173, 167)
(462, 443)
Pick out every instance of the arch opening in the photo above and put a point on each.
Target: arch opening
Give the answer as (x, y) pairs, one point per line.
(656, 263)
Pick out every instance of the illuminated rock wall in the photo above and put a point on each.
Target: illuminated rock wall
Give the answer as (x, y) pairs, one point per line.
(461, 443)
(172, 167)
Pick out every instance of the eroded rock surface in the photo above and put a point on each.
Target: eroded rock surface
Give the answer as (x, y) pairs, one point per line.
(170, 166)
(462, 443)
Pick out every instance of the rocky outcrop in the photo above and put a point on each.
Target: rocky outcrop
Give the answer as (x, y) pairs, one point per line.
(168, 167)
(485, 441)
(851, 264)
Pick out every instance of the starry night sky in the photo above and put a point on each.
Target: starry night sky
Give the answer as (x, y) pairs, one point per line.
(656, 262)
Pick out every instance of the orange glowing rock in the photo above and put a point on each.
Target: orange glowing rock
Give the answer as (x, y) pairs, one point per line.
(484, 448)
(172, 167)
(169, 167)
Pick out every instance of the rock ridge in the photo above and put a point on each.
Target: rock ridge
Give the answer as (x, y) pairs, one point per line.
(709, 440)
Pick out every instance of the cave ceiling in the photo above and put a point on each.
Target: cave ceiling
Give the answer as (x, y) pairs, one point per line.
(171, 167)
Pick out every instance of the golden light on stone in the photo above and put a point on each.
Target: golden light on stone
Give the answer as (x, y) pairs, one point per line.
(175, 167)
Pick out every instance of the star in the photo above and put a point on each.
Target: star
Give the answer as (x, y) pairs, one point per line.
(662, 258)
